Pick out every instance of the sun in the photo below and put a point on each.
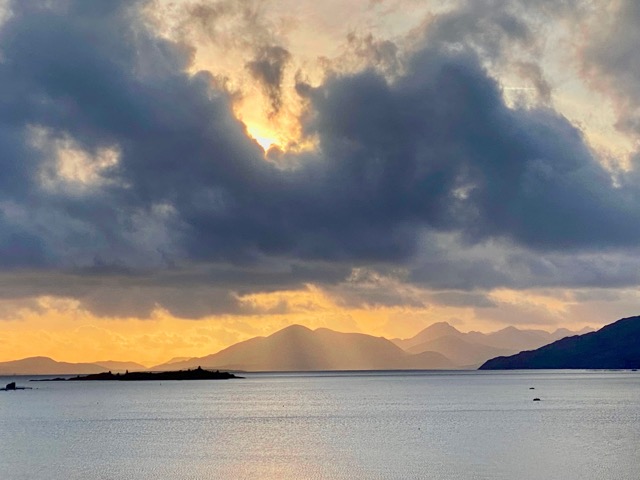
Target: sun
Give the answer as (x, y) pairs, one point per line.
(262, 136)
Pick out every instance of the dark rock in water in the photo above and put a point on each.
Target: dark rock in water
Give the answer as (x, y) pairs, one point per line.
(614, 346)
(532, 388)
(536, 399)
(12, 387)
(196, 374)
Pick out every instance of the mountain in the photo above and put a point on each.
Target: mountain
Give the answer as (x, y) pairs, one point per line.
(563, 332)
(47, 366)
(177, 359)
(514, 339)
(297, 348)
(460, 351)
(432, 332)
(115, 366)
(614, 346)
(473, 348)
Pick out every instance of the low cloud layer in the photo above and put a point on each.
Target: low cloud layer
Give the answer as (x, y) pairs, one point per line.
(119, 161)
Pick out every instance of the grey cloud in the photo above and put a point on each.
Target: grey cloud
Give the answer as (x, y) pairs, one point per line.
(434, 150)
(187, 292)
(533, 72)
(449, 265)
(610, 59)
(375, 53)
(489, 26)
(463, 299)
(439, 148)
(230, 24)
(268, 68)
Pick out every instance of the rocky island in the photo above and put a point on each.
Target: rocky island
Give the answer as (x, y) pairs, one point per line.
(195, 374)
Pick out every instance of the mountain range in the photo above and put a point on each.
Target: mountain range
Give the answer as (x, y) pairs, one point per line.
(48, 366)
(614, 346)
(474, 348)
(297, 348)
(439, 346)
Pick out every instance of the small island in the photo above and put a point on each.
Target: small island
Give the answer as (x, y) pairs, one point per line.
(195, 374)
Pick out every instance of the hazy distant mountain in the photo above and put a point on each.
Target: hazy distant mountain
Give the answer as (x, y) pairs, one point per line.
(297, 348)
(474, 348)
(432, 332)
(614, 346)
(116, 366)
(47, 366)
(178, 359)
(563, 332)
(459, 351)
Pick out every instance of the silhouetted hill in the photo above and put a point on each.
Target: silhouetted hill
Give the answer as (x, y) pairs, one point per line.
(297, 348)
(614, 346)
(47, 366)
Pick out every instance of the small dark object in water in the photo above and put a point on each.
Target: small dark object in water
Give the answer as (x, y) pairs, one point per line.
(12, 387)
(532, 388)
(536, 399)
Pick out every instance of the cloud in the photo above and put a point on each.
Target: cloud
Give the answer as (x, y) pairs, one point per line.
(268, 68)
(610, 59)
(438, 148)
(432, 151)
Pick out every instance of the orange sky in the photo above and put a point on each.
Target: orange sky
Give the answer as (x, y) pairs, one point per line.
(66, 332)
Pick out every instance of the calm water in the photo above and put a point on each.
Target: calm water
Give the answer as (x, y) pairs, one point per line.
(463, 425)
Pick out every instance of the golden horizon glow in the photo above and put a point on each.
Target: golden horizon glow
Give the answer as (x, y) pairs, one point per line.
(63, 330)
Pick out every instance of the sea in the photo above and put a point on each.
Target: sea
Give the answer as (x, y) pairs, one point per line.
(345, 425)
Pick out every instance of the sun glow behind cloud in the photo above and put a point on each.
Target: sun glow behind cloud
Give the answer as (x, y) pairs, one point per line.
(265, 139)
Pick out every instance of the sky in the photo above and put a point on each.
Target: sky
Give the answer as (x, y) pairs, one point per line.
(177, 176)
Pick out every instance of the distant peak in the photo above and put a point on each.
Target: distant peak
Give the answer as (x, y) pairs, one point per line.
(441, 324)
(441, 327)
(509, 329)
(295, 328)
(436, 330)
(40, 358)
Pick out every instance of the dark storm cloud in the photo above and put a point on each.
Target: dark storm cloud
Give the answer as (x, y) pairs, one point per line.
(186, 292)
(446, 264)
(434, 150)
(439, 148)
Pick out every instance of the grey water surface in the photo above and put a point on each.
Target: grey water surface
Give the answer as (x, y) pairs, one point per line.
(374, 425)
